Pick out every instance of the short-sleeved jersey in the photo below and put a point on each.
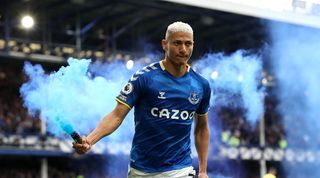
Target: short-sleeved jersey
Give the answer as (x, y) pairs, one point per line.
(164, 111)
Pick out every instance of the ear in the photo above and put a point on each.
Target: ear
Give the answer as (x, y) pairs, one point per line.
(164, 44)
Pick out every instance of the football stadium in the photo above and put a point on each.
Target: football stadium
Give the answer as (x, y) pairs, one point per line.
(159, 88)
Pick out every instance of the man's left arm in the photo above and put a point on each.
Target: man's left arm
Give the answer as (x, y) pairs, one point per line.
(202, 139)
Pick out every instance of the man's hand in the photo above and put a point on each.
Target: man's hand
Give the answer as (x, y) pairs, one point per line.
(202, 175)
(84, 147)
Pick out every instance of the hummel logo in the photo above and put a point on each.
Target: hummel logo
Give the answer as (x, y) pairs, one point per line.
(161, 95)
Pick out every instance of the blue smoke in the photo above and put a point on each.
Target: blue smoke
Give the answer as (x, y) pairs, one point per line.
(296, 64)
(234, 81)
(77, 96)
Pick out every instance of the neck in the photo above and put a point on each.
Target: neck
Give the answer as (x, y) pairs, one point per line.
(175, 69)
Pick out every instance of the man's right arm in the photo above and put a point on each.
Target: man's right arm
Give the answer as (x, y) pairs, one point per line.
(105, 127)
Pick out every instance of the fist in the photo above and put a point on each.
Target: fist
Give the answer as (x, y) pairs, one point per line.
(82, 148)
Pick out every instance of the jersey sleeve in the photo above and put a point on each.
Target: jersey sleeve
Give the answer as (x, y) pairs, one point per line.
(130, 93)
(205, 101)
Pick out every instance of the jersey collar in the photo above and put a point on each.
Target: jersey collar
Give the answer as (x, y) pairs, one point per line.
(164, 68)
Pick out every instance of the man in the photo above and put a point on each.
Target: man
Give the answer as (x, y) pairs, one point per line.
(167, 96)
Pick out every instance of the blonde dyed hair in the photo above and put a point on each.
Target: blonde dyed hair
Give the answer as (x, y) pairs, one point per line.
(178, 27)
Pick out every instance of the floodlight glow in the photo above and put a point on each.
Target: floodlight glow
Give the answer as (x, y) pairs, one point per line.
(27, 22)
(264, 81)
(214, 75)
(240, 78)
(129, 64)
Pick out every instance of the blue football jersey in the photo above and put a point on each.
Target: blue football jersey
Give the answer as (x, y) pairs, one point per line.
(164, 110)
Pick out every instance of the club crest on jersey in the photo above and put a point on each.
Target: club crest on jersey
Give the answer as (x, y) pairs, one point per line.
(194, 98)
(127, 88)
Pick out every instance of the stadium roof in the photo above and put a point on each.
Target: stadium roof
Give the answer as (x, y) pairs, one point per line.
(129, 25)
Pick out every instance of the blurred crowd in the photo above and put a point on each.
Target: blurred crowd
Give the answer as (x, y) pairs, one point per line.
(14, 118)
(237, 131)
